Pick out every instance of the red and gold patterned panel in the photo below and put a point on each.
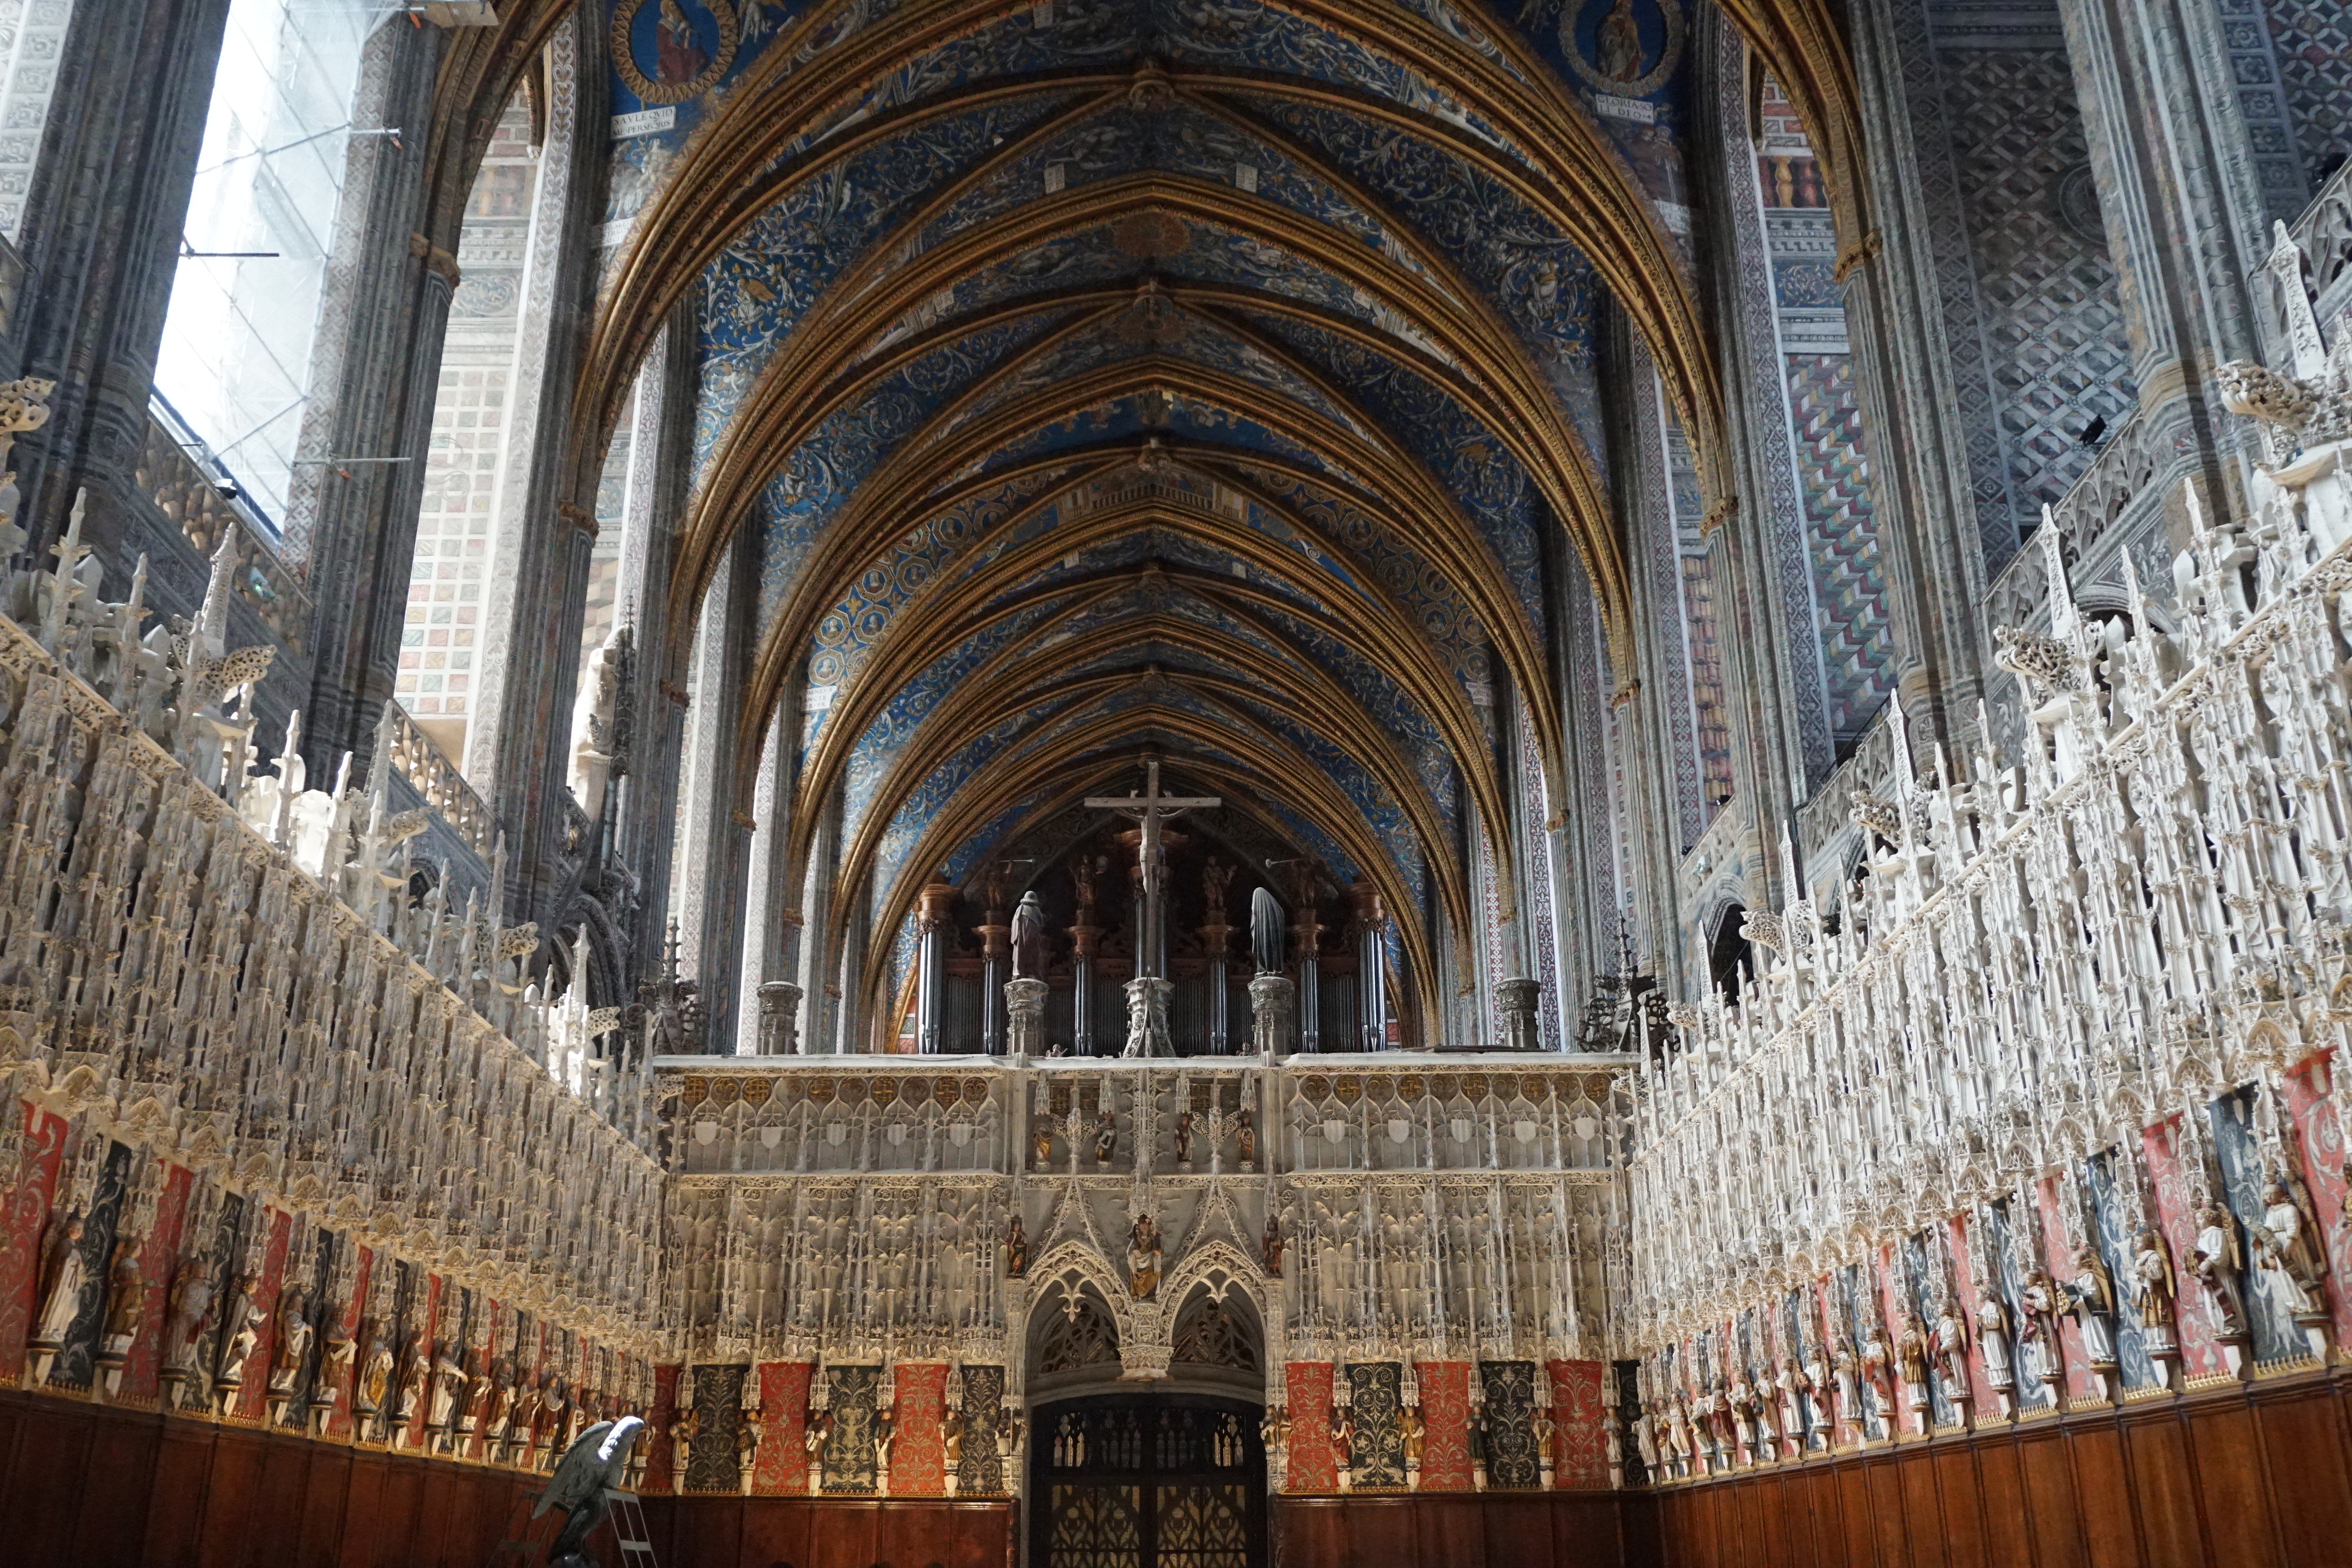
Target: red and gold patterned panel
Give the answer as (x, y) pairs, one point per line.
(658, 1447)
(2200, 1354)
(919, 1448)
(1581, 1442)
(1312, 1467)
(1445, 1430)
(253, 1398)
(20, 1228)
(781, 1467)
(2323, 1166)
(157, 1258)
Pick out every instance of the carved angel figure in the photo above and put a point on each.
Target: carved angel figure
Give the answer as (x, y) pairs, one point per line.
(2093, 1295)
(2285, 1250)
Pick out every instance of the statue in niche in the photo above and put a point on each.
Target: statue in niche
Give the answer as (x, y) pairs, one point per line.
(1029, 938)
(1911, 1348)
(2216, 1264)
(1269, 1248)
(1343, 1441)
(1041, 1144)
(1786, 1382)
(1185, 1140)
(126, 1295)
(1216, 878)
(1849, 1387)
(1083, 873)
(885, 1431)
(2283, 1250)
(2094, 1296)
(1016, 1248)
(1266, 932)
(448, 1377)
(746, 1449)
(1245, 1138)
(1744, 1410)
(1952, 1343)
(1143, 1258)
(1413, 1433)
(1993, 1337)
(415, 1368)
(375, 1379)
(293, 1339)
(189, 1312)
(1877, 1368)
(62, 1273)
(1816, 1385)
(1106, 1137)
(993, 890)
(245, 1313)
(2152, 1291)
(2037, 1334)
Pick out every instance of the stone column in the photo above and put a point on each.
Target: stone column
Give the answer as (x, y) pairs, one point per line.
(1147, 1017)
(1082, 988)
(1025, 1013)
(780, 1018)
(1518, 1003)
(1270, 1002)
(934, 932)
(1369, 926)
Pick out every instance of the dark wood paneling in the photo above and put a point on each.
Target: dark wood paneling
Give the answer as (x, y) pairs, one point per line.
(2225, 1479)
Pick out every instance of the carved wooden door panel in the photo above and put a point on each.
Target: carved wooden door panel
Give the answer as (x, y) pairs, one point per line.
(1148, 1482)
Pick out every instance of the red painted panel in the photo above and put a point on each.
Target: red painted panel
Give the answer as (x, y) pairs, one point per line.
(918, 1443)
(253, 1399)
(157, 1259)
(781, 1467)
(1445, 1426)
(1313, 1468)
(659, 1447)
(2200, 1355)
(2323, 1167)
(1582, 1440)
(23, 1225)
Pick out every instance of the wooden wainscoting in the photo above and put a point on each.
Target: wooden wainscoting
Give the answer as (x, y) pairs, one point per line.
(1458, 1530)
(92, 1487)
(706, 1531)
(2257, 1477)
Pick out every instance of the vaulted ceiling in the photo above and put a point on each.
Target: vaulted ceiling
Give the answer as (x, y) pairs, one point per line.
(1192, 377)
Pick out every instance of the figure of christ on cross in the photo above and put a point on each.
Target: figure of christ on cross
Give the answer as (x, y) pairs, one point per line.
(1152, 809)
(1147, 994)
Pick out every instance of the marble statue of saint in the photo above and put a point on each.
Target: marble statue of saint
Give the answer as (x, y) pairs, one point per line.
(62, 1272)
(2215, 1264)
(1016, 1248)
(1992, 1338)
(2283, 1249)
(2151, 1287)
(1266, 932)
(2093, 1295)
(1029, 938)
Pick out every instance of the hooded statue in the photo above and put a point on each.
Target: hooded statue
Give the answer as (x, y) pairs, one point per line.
(1029, 939)
(1266, 932)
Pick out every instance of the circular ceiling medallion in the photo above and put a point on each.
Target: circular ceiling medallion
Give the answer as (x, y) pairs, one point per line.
(692, 43)
(1626, 48)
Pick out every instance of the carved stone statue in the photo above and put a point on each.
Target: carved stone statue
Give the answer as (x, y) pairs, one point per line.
(1029, 938)
(1911, 1349)
(2037, 1332)
(1216, 877)
(2215, 1263)
(1878, 1369)
(1269, 1248)
(188, 1312)
(886, 1432)
(2285, 1250)
(1849, 1388)
(374, 1381)
(1245, 1138)
(1952, 1345)
(1106, 1137)
(1041, 1144)
(62, 1273)
(1184, 1139)
(1413, 1433)
(243, 1347)
(1992, 1338)
(2152, 1291)
(126, 1296)
(1266, 932)
(1143, 1258)
(293, 1339)
(2094, 1296)
(1016, 1248)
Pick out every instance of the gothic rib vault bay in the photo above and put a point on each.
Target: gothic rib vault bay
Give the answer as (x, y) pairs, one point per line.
(1133, 783)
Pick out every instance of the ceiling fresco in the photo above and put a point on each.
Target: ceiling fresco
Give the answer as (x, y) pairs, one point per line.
(1203, 379)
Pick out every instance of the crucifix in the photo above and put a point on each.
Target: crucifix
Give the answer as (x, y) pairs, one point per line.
(1151, 809)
